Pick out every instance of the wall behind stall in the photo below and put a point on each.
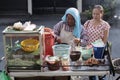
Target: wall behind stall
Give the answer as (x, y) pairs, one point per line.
(12, 6)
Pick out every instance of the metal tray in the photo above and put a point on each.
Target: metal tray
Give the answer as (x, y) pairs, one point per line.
(82, 67)
(24, 68)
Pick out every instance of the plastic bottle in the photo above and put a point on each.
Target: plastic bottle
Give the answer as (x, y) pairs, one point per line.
(65, 63)
(83, 43)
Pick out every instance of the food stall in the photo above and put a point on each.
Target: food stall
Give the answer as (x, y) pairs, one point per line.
(28, 60)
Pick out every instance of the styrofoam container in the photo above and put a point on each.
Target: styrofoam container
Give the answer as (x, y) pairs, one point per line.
(61, 49)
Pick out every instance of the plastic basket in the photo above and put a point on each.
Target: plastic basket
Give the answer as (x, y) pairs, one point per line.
(30, 45)
(61, 49)
(116, 64)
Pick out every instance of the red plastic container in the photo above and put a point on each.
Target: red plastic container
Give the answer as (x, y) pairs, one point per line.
(48, 42)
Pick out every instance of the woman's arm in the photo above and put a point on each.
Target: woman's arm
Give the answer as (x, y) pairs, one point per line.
(83, 37)
(105, 37)
(106, 32)
(57, 28)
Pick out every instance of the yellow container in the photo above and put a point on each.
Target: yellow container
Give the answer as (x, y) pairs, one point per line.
(30, 45)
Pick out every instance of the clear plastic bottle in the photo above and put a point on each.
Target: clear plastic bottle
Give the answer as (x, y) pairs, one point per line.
(65, 63)
(83, 43)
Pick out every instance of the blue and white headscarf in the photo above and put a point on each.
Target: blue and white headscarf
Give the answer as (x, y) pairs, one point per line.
(78, 27)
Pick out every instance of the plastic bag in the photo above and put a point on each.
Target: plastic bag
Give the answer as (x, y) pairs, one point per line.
(4, 76)
(98, 43)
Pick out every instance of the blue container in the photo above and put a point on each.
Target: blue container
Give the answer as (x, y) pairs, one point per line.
(98, 52)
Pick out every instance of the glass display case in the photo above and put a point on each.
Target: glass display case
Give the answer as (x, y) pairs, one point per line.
(22, 49)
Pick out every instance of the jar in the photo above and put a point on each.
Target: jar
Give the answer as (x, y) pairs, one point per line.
(65, 63)
(53, 62)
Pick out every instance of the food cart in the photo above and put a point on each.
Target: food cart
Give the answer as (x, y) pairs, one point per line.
(21, 63)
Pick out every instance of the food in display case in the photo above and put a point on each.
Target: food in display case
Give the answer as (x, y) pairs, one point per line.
(20, 62)
(21, 58)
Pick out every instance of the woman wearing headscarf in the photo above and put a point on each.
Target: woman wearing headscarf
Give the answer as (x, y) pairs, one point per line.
(69, 29)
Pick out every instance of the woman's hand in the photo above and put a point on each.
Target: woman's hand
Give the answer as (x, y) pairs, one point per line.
(77, 40)
(58, 41)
